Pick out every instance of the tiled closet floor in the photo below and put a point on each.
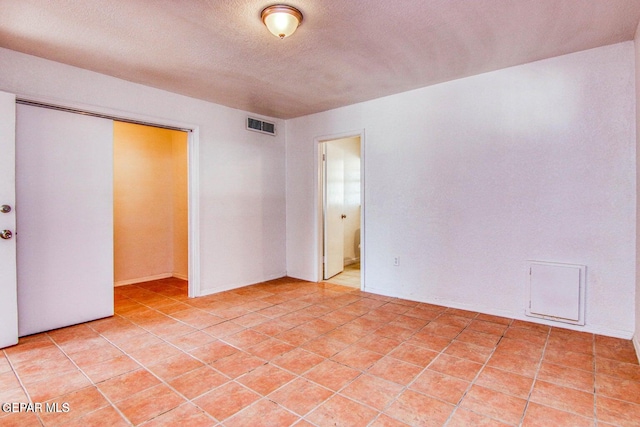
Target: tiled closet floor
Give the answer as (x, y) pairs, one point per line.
(289, 352)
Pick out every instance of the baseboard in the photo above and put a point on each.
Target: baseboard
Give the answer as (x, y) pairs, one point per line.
(593, 329)
(350, 261)
(142, 279)
(636, 344)
(180, 276)
(230, 287)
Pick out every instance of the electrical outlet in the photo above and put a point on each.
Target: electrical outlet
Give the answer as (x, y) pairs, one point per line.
(396, 261)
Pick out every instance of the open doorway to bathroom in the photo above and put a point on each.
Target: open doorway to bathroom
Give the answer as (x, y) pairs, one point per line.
(342, 210)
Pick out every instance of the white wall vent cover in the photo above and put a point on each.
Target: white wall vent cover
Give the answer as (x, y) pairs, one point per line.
(261, 126)
(556, 292)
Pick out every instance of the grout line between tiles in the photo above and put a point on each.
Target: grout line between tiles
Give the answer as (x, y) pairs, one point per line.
(408, 385)
(91, 382)
(535, 377)
(231, 379)
(308, 297)
(15, 372)
(24, 388)
(472, 382)
(162, 381)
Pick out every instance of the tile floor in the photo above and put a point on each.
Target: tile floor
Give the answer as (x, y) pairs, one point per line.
(349, 277)
(288, 352)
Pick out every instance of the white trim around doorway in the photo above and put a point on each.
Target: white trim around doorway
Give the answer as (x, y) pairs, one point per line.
(319, 234)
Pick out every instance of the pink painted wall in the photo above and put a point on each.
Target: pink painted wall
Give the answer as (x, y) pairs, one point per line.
(180, 205)
(150, 203)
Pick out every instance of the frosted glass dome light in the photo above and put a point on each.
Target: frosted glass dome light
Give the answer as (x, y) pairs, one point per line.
(281, 20)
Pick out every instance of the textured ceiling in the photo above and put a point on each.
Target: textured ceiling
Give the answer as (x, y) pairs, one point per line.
(344, 52)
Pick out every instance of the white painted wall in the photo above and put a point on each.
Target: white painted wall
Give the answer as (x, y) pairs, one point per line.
(469, 179)
(242, 188)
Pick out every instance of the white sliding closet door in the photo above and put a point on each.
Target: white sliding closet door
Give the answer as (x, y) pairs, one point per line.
(64, 207)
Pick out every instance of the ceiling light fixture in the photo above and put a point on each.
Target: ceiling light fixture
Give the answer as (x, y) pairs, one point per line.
(281, 20)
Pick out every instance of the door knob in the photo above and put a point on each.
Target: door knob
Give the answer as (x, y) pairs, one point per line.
(343, 216)
(5, 208)
(6, 234)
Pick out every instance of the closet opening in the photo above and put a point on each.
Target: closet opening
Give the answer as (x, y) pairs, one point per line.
(64, 180)
(150, 208)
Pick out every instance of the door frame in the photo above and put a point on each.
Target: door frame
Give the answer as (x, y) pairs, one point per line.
(319, 184)
(193, 170)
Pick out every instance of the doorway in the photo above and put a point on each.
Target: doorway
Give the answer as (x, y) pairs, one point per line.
(150, 203)
(342, 210)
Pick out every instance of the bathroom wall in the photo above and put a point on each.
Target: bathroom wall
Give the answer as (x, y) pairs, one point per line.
(351, 148)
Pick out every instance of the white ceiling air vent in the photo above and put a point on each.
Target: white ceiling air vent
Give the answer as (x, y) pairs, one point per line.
(261, 126)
